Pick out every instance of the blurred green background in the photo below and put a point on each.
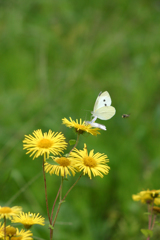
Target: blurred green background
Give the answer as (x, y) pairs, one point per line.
(55, 58)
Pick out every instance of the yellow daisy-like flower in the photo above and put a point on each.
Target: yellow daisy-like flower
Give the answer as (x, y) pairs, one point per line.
(148, 196)
(40, 144)
(90, 163)
(1, 230)
(22, 235)
(14, 234)
(156, 210)
(63, 166)
(29, 219)
(10, 231)
(80, 127)
(8, 212)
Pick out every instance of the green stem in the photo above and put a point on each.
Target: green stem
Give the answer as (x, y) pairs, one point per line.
(45, 186)
(59, 192)
(55, 202)
(61, 188)
(149, 217)
(72, 187)
(153, 222)
(150, 223)
(4, 228)
(64, 199)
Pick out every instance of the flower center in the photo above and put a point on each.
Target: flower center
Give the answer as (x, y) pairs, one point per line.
(17, 238)
(90, 162)
(63, 161)
(45, 143)
(5, 210)
(10, 231)
(27, 226)
(154, 194)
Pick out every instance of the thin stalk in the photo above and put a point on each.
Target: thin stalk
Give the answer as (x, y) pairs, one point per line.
(61, 200)
(61, 188)
(59, 192)
(149, 217)
(4, 228)
(72, 187)
(150, 223)
(55, 202)
(45, 187)
(153, 222)
(64, 199)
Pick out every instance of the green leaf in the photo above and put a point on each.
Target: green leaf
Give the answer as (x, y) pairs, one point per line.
(147, 232)
(147, 213)
(66, 155)
(158, 223)
(51, 227)
(51, 161)
(65, 179)
(72, 142)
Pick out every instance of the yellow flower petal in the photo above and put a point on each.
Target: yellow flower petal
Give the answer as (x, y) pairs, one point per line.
(28, 219)
(40, 144)
(61, 166)
(80, 127)
(148, 196)
(91, 163)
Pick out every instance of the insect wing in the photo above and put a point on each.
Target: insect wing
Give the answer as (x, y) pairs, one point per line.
(104, 113)
(102, 100)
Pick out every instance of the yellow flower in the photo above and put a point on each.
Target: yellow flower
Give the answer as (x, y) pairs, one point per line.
(10, 231)
(63, 166)
(46, 143)
(148, 196)
(80, 127)
(8, 212)
(90, 163)
(22, 235)
(15, 234)
(28, 219)
(156, 210)
(1, 230)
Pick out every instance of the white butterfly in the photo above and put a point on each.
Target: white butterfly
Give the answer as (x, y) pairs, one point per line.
(102, 110)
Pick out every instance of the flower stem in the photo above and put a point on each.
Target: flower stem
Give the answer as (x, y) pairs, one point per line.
(149, 217)
(64, 199)
(72, 187)
(150, 222)
(153, 222)
(45, 186)
(55, 202)
(61, 188)
(4, 228)
(59, 192)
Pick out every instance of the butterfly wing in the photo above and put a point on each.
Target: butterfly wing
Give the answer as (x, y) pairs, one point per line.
(104, 113)
(102, 100)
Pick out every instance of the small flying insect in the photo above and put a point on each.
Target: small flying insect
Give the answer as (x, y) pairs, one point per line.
(125, 115)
